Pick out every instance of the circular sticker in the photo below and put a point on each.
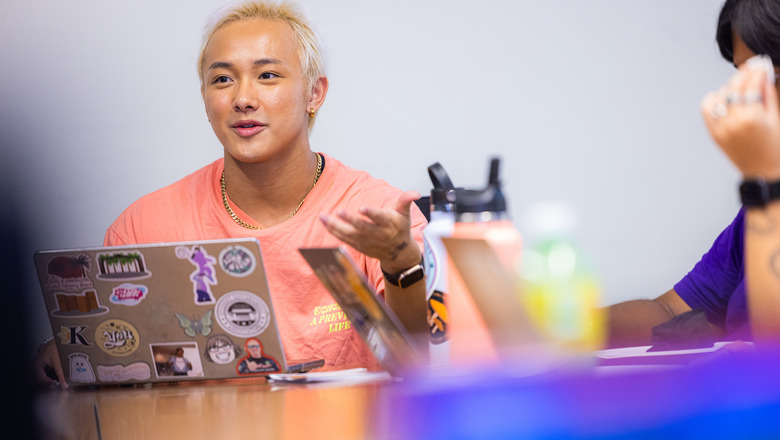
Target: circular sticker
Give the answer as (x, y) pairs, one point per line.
(117, 337)
(242, 314)
(237, 261)
(221, 349)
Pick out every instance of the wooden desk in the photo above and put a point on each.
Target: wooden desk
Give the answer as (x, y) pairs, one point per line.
(728, 395)
(238, 410)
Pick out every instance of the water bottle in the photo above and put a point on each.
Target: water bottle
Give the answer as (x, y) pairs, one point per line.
(435, 256)
(479, 214)
(561, 292)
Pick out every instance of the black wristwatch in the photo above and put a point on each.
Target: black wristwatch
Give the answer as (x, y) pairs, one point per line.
(406, 277)
(756, 193)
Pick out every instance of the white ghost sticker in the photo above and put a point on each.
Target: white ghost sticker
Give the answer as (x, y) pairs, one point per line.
(80, 368)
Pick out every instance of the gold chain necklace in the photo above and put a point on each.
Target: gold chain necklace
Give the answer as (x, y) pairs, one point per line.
(248, 226)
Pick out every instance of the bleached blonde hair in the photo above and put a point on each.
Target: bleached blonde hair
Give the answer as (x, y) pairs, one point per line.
(307, 44)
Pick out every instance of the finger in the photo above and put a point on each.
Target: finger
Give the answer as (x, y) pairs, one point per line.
(734, 84)
(402, 206)
(771, 100)
(404, 203)
(55, 363)
(360, 223)
(713, 108)
(341, 230)
(41, 376)
(378, 216)
(753, 84)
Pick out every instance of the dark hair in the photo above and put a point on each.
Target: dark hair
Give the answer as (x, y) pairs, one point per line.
(756, 22)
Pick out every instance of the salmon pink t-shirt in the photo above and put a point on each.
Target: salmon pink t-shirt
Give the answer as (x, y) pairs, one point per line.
(311, 324)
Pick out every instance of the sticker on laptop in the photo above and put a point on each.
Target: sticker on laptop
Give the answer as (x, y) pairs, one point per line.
(73, 335)
(127, 265)
(78, 305)
(197, 325)
(117, 337)
(128, 294)
(204, 275)
(242, 314)
(176, 360)
(120, 373)
(69, 272)
(220, 349)
(80, 368)
(237, 261)
(256, 362)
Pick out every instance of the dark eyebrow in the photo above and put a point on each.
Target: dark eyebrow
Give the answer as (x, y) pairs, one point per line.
(264, 61)
(220, 65)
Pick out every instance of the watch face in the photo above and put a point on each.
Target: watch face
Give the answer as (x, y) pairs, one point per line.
(413, 277)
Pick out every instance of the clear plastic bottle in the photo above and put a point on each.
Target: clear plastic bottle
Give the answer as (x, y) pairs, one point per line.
(435, 254)
(561, 292)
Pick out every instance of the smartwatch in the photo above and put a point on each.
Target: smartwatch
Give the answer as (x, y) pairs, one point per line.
(756, 193)
(406, 277)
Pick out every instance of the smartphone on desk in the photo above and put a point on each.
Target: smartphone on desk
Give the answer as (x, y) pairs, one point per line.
(302, 367)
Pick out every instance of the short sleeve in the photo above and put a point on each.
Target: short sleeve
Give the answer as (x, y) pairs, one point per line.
(712, 282)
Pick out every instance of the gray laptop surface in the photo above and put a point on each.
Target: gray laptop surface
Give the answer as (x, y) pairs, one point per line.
(164, 312)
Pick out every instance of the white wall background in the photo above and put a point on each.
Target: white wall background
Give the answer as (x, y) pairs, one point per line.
(594, 103)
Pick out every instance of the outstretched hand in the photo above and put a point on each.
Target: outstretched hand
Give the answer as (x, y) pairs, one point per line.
(743, 117)
(381, 233)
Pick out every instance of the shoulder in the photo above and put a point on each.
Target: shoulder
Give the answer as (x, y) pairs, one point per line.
(353, 188)
(158, 211)
(183, 190)
(360, 186)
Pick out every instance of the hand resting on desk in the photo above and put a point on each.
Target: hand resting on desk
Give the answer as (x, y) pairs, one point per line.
(47, 358)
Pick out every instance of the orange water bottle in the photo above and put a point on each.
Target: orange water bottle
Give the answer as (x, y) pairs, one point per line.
(479, 214)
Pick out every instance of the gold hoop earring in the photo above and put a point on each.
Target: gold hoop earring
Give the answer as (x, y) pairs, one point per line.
(311, 113)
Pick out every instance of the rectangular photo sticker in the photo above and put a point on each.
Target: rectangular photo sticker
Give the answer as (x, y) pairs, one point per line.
(176, 360)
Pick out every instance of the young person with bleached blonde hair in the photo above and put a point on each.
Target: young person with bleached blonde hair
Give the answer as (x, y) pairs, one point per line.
(263, 82)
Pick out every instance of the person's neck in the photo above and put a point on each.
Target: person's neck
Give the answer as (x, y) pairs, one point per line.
(271, 190)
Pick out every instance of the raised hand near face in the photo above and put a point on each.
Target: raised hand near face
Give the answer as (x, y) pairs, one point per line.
(743, 117)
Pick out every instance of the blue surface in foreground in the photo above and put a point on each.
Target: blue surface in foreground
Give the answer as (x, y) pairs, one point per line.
(724, 395)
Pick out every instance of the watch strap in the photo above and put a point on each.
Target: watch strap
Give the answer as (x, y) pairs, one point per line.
(406, 277)
(758, 192)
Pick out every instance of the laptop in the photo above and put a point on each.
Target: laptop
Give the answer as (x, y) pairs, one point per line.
(162, 312)
(370, 316)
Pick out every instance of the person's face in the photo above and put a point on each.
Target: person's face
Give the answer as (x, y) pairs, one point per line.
(253, 347)
(742, 54)
(179, 353)
(222, 352)
(254, 91)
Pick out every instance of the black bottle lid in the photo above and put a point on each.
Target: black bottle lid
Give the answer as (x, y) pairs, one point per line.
(489, 199)
(443, 193)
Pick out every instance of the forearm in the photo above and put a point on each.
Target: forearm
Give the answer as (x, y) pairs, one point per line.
(630, 323)
(762, 270)
(409, 305)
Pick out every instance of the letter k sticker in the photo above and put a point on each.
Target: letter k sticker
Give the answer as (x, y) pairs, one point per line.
(72, 335)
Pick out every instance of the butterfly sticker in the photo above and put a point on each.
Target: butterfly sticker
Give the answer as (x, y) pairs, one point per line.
(196, 325)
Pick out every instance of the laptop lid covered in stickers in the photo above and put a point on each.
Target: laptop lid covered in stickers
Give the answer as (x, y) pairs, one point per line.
(161, 312)
(370, 316)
